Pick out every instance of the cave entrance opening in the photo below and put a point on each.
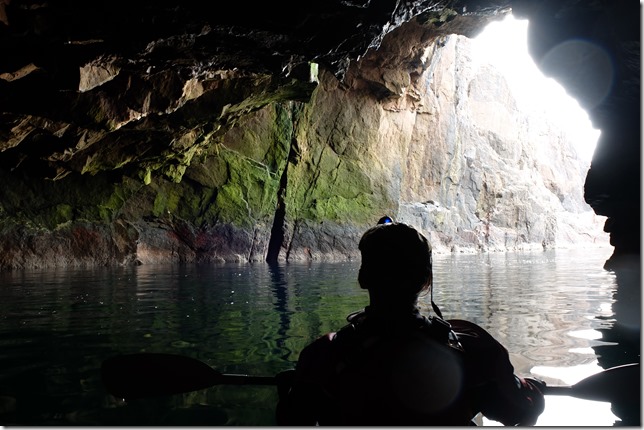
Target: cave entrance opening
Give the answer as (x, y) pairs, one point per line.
(504, 44)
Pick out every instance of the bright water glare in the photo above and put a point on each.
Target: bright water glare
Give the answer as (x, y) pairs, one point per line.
(553, 310)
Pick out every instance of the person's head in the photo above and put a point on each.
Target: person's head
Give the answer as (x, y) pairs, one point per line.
(396, 261)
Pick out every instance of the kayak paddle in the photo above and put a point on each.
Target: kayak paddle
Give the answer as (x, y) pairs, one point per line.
(136, 376)
(147, 374)
(619, 384)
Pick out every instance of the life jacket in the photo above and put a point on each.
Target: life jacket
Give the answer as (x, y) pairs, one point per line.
(367, 344)
(434, 327)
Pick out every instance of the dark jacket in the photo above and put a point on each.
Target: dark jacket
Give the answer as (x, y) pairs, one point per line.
(381, 370)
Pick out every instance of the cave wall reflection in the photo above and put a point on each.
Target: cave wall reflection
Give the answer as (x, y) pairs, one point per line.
(624, 336)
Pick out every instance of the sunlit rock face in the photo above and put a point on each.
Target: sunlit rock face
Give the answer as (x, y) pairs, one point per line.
(141, 133)
(451, 154)
(483, 173)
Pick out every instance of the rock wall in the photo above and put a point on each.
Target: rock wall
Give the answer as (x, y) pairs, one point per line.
(461, 162)
(483, 171)
(448, 152)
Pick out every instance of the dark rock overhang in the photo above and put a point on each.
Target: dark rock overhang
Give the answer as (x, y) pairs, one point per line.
(100, 86)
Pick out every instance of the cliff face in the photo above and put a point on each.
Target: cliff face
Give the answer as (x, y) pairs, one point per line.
(482, 172)
(450, 153)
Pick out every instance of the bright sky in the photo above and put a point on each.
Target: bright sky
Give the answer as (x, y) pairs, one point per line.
(504, 44)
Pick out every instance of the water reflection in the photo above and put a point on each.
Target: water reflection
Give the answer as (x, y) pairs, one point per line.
(623, 338)
(56, 327)
(556, 316)
(280, 291)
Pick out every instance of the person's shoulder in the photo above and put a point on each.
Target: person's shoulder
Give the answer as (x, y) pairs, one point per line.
(464, 327)
(463, 324)
(316, 357)
(475, 339)
(321, 343)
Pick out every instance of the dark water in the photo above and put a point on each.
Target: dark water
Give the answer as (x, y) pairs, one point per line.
(554, 311)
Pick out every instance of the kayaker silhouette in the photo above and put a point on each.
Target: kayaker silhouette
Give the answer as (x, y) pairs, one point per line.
(393, 366)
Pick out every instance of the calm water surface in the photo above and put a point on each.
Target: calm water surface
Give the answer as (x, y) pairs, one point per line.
(553, 310)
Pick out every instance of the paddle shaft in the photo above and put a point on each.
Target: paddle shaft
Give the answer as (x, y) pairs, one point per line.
(152, 374)
(234, 379)
(560, 390)
(136, 376)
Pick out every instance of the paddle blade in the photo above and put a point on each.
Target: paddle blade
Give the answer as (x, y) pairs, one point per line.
(136, 376)
(619, 384)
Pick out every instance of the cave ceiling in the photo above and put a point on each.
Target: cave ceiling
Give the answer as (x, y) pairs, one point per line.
(139, 86)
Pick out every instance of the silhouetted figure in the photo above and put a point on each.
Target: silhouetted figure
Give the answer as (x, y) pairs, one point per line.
(392, 366)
